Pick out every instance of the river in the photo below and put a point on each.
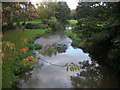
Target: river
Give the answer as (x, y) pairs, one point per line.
(47, 75)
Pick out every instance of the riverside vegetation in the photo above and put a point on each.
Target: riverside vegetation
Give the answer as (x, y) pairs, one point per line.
(21, 26)
(95, 30)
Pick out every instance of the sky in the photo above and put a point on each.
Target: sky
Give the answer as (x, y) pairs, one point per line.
(71, 3)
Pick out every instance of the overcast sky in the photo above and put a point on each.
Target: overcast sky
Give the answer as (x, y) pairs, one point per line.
(71, 3)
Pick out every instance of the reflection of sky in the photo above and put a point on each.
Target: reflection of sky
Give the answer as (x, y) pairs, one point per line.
(50, 76)
(72, 50)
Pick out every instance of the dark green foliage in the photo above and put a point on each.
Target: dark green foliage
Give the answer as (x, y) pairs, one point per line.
(36, 26)
(9, 78)
(56, 14)
(73, 14)
(76, 40)
(83, 10)
(45, 21)
(62, 12)
(34, 46)
(13, 13)
(99, 29)
(55, 25)
(18, 66)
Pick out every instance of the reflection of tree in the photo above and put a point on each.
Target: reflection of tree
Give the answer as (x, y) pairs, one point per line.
(60, 48)
(53, 49)
(27, 79)
(48, 51)
(91, 76)
(27, 75)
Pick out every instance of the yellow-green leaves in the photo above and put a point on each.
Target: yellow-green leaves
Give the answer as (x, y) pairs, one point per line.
(72, 67)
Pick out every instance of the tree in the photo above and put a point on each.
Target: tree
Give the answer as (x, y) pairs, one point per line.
(73, 14)
(58, 10)
(32, 12)
(46, 10)
(98, 27)
(62, 12)
(15, 12)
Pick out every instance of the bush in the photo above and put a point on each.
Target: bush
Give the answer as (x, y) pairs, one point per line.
(36, 26)
(55, 25)
(37, 46)
(72, 22)
(9, 79)
(76, 41)
(34, 46)
(45, 21)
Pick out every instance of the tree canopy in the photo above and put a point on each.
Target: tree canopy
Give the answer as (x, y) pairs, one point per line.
(99, 28)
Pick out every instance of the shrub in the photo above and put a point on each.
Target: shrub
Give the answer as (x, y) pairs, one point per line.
(45, 21)
(37, 46)
(36, 26)
(72, 22)
(34, 46)
(76, 41)
(55, 25)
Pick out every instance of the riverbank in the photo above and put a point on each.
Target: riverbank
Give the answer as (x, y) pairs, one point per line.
(96, 50)
(76, 41)
(56, 53)
(11, 65)
(59, 52)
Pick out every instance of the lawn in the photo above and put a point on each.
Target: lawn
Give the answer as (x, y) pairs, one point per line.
(16, 35)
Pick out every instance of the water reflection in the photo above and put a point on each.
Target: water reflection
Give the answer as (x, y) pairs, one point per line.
(68, 28)
(57, 50)
(92, 75)
(73, 50)
(26, 77)
(52, 50)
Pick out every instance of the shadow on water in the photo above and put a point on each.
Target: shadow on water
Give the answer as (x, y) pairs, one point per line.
(57, 49)
(52, 50)
(95, 76)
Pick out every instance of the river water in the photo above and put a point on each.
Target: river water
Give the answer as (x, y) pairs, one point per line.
(45, 75)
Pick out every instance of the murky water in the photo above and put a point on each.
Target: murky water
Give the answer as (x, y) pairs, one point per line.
(45, 75)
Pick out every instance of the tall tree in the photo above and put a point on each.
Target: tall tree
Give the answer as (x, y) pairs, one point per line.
(99, 28)
(46, 10)
(73, 14)
(62, 12)
(14, 12)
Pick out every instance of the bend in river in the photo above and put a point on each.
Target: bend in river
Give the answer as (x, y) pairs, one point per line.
(45, 75)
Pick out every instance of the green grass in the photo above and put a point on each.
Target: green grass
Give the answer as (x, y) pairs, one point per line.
(12, 66)
(72, 22)
(16, 35)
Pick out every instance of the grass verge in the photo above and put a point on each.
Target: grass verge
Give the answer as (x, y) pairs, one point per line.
(76, 41)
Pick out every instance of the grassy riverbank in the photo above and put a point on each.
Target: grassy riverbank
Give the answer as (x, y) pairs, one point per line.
(11, 66)
(16, 35)
(76, 42)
